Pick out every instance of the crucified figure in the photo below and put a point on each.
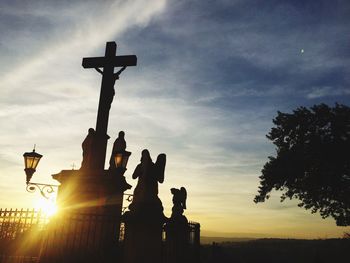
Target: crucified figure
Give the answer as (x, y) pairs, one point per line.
(112, 90)
(115, 75)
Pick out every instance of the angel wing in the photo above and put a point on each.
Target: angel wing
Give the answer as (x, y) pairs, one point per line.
(183, 196)
(160, 167)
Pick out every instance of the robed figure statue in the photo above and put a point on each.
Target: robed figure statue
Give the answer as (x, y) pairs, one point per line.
(149, 174)
(119, 146)
(88, 147)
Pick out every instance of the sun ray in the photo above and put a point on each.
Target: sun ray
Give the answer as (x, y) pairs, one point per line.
(48, 207)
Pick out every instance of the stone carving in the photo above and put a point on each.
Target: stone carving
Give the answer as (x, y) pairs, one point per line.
(119, 146)
(111, 92)
(179, 201)
(106, 65)
(149, 174)
(87, 147)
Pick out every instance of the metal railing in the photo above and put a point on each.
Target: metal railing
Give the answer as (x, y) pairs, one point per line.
(75, 234)
(16, 222)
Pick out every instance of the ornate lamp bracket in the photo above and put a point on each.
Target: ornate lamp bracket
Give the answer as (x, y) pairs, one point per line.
(46, 190)
(128, 198)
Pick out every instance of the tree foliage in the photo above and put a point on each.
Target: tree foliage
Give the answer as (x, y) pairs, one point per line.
(312, 162)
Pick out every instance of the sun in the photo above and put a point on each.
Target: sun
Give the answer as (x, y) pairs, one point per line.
(48, 207)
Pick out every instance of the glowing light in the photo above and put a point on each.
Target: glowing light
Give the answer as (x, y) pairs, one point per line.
(48, 207)
(302, 51)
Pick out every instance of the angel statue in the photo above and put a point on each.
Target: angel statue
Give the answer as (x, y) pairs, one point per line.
(179, 201)
(149, 174)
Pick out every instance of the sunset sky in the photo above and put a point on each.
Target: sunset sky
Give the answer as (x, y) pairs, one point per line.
(210, 78)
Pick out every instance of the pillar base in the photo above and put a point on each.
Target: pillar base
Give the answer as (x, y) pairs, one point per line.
(143, 237)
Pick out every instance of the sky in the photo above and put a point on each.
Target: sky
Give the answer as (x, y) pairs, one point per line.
(210, 78)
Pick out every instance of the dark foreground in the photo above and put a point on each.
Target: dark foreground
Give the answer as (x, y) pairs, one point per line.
(278, 250)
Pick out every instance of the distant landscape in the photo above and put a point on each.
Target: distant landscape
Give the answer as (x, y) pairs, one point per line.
(209, 240)
(248, 250)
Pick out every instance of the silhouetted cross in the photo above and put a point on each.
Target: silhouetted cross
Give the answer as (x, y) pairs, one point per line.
(107, 63)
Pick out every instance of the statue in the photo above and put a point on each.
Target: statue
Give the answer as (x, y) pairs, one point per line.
(87, 147)
(111, 92)
(177, 229)
(145, 220)
(119, 146)
(149, 174)
(179, 201)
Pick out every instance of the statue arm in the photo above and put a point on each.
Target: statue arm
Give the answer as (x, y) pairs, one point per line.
(116, 75)
(137, 172)
(99, 71)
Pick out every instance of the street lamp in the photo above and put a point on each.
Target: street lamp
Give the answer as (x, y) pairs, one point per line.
(31, 161)
(121, 159)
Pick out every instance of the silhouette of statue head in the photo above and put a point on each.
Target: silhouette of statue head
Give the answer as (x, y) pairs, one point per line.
(91, 131)
(121, 134)
(145, 155)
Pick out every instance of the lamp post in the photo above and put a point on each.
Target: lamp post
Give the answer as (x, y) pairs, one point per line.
(31, 161)
(121, 160)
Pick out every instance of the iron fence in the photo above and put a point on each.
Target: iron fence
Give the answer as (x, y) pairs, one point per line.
(16, 222)
(21, 232)
(27, 235)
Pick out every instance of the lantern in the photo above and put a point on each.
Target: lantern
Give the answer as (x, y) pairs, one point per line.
(121, 159)
(31, 161)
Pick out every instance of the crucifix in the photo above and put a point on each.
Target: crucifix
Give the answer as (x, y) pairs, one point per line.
(107, 63)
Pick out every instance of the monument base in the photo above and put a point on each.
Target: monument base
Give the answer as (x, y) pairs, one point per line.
(87, 226)
(143, 237)
(177, 240)
(95, 192)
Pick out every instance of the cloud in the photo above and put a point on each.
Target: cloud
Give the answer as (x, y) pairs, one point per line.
(319, 92)
(210, 78)
(44, 95)
(74, 39)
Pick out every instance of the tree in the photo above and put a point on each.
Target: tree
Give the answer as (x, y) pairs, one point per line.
(312, 162)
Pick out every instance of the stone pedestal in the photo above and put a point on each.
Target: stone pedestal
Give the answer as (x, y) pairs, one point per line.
(87, 226)
(143, 233)
(177, 240)
(143, 240)
(99, 192)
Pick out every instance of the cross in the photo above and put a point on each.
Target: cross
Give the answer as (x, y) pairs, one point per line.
(107, 63)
